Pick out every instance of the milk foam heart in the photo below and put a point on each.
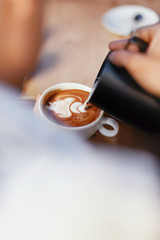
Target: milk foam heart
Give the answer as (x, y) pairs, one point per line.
(67, 107)
(64, 108)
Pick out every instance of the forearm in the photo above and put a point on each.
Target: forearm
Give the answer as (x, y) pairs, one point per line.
(20, 29)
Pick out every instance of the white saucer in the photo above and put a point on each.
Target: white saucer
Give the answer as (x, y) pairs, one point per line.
(120, 20)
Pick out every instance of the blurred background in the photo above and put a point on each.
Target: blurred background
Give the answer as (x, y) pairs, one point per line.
(75, 43)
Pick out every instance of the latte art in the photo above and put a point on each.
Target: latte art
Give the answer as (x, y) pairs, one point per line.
(67, 107)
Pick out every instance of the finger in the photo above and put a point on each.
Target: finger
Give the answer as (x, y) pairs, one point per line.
(151, 34)
(120, 57)
(133, 48)
(154, 47)
(145, 70)
(120, 44)
(147, 33)
(142, 68)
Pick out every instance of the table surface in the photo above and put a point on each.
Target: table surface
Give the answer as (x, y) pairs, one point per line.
(74, 46)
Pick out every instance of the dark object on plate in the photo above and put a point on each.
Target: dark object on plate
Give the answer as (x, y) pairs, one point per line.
(136, 20)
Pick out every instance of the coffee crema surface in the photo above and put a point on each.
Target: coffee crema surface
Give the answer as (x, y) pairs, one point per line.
(66, 107)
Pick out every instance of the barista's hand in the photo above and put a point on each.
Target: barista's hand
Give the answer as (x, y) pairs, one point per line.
(144, 67)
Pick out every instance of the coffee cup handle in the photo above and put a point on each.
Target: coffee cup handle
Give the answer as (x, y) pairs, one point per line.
(107, 132)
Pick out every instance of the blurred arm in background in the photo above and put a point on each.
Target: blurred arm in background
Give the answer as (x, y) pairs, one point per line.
(20, 38)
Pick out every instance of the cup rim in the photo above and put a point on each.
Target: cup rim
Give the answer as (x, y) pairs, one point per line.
(55, 123)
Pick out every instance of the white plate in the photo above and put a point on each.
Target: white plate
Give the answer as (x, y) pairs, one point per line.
(120, 20)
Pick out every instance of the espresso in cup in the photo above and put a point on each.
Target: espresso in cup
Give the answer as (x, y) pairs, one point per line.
(67, 108)
(62, 105)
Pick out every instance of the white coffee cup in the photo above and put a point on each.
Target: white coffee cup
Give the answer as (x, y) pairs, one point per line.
(87, 130)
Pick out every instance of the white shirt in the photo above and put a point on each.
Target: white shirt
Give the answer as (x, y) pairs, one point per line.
(56, 186)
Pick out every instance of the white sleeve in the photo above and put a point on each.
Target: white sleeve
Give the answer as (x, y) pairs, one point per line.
(55, 186)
